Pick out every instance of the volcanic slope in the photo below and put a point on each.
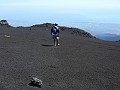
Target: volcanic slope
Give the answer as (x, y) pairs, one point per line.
(81, 62)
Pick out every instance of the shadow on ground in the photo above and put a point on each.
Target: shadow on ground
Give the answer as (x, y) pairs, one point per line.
(46, 45)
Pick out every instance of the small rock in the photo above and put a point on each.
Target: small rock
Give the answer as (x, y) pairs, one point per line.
(36, 82)
(7, 36)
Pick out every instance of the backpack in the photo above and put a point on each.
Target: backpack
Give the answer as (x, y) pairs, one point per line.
(54, 30)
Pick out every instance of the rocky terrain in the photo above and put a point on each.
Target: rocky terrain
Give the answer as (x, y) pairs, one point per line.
(81, 62)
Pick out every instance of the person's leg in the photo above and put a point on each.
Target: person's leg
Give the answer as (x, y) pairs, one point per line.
(54, 42)
(54, 39)
(58, 43)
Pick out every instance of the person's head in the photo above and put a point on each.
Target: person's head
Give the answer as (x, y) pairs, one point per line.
(56, 24)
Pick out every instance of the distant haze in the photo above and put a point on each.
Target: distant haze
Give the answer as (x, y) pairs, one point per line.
(105, 31)
(109, 37)
(60, 11)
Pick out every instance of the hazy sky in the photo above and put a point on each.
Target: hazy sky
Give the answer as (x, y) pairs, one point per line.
(60, 11)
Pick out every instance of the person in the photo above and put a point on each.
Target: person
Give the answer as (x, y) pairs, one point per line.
(55, 31)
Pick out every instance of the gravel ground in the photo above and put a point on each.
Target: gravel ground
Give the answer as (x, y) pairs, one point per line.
(79, 63)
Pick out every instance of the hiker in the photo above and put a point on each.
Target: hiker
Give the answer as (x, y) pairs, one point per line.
(55, 31)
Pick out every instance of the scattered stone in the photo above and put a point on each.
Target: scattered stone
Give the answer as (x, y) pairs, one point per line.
(36, 82)
(7, 36)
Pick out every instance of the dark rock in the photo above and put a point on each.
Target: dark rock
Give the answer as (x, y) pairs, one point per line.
(36, 82)
(3, 22)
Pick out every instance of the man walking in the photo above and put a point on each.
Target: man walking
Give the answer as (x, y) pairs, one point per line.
(55, 31)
